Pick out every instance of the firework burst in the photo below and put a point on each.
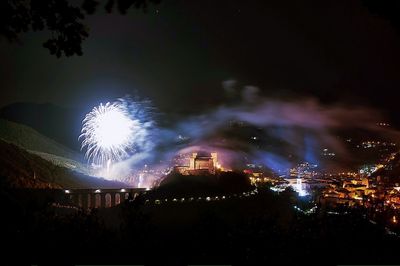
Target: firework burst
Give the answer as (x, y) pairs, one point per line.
(113, 131)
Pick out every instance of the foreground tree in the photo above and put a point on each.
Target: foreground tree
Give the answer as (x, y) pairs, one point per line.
(64, 20)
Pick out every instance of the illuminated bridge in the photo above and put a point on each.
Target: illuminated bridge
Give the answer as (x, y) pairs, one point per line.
(100, 198)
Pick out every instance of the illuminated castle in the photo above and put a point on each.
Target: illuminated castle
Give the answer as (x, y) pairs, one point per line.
(203, 162)
(200, 163)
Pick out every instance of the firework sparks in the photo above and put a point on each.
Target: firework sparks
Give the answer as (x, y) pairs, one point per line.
(107, 133)
(117, 132)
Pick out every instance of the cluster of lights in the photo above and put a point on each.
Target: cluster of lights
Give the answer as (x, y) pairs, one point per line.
(207, 198)
(58, 205)
(353, 174)
(278, 189)
(369, 169)
(374, 144)
(304, 170)
(254, 180)
(383, 124)
(325, 152)
(299, 188)
(307, 212)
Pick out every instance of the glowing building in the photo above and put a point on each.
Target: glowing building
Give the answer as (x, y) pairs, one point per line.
(203, 162)
(299, 186)
(200, 163)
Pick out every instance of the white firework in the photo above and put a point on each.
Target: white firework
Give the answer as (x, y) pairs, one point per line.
(108, 134)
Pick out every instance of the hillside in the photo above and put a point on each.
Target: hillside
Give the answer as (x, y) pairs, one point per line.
(29, 139)
(43, 117)
(22, 169)
(224, 183)
(390, 173)
(34, 142)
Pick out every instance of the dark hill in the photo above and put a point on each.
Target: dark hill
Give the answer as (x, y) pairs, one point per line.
(391, 172)
(22, 169)
(29, 139)
(177, 185)
(58, 123)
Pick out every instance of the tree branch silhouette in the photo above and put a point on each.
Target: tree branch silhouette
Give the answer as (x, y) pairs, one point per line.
(64, 21)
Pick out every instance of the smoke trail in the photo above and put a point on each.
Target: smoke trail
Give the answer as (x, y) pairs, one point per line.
(255, 129)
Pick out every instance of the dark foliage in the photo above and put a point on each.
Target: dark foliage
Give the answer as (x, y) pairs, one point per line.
(259, 230)
(177, 185)
(386, 9)
(63, 20)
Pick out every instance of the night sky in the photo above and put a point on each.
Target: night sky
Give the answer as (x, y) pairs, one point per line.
(179, 53)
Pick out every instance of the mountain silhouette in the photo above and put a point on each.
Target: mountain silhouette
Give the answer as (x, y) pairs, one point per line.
(22, 169)
(58, 123)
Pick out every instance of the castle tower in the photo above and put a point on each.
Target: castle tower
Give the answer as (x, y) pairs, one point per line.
(214, 157)
(192, 161)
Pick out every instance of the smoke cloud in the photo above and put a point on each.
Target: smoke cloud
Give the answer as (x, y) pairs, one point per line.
(274, 133)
